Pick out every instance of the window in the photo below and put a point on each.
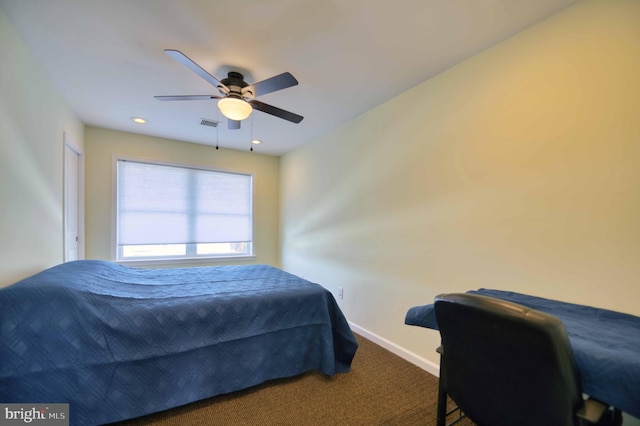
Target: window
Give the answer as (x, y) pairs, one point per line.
(166, 211)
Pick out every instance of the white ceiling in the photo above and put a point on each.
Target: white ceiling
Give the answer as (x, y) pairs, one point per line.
(106, 56)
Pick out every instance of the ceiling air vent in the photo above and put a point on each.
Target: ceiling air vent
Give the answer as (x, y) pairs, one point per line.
(210, 123)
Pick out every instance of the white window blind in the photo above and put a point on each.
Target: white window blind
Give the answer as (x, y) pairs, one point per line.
(162, 204)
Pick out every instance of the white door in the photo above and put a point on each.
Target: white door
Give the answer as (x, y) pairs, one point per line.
(71, 203)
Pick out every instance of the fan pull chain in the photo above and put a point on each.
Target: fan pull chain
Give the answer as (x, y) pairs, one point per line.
(218, 121)
(251, 139)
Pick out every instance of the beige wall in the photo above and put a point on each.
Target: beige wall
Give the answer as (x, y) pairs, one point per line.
(33, 119)
(103, 145)
(517, 169)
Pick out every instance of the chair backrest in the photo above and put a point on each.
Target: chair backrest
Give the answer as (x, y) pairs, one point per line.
(506, 364)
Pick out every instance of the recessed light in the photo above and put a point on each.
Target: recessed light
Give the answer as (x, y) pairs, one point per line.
(256, 141)
(138, 120)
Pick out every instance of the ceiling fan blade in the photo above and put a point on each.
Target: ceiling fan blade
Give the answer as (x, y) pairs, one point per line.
(270, 109)
(233, 124)
(279, 82)
(187, 98)
(184, 60)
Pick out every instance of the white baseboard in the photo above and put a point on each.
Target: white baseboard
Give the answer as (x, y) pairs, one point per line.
(414, 359)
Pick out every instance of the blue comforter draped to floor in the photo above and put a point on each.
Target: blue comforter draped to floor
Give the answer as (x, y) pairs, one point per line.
(117, 342)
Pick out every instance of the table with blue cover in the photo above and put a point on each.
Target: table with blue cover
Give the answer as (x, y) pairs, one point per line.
(116, 342)
(605, 344)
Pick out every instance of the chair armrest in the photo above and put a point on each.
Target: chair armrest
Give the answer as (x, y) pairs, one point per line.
(592, 411)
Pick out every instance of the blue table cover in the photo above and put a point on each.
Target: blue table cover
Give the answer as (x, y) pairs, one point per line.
(606, 345)
(117, 342)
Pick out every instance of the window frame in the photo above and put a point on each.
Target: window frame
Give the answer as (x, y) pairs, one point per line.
(190, 256)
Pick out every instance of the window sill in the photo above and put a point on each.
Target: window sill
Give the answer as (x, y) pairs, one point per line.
(184, 260)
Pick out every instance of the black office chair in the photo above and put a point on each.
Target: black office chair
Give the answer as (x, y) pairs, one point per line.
(505, 364)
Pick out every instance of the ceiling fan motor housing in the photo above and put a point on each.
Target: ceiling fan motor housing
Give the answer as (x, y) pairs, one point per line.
(235, 82)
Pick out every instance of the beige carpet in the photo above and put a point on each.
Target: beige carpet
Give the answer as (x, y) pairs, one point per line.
(381, 389)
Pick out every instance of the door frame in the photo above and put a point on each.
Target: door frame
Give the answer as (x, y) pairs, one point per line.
(68, 144)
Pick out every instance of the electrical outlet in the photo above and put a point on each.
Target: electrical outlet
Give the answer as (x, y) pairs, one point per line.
(340, 293)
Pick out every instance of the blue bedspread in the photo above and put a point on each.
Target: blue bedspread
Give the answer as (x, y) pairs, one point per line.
(606, 345)
(116, 342)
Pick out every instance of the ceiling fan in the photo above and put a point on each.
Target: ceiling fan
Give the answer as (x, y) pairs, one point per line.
(237, 99)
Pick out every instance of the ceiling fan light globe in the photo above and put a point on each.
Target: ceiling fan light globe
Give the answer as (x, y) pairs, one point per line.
(234, 109)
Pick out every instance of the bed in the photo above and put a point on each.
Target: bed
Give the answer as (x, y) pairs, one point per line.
(117, 342)
(606, 344)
